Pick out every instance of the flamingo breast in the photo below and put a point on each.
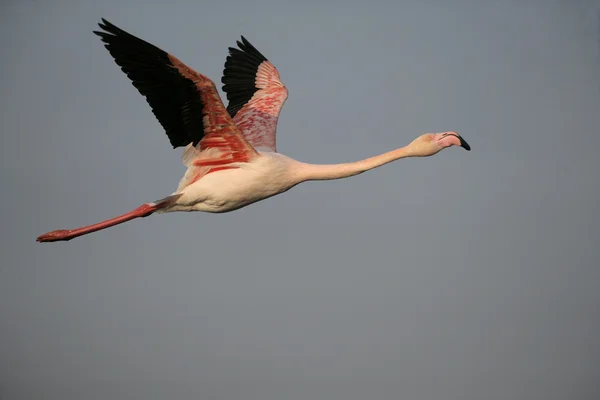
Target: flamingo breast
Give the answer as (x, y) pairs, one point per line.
(231, 189)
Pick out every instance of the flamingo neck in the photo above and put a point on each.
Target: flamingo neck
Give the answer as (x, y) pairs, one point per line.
(311, 172)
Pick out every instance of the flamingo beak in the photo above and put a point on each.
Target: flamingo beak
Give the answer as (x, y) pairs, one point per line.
(464, 144)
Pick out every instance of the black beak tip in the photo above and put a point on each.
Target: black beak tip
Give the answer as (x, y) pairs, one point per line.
(464, 144)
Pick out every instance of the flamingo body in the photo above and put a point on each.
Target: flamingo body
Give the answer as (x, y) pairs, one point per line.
(231, 189)
(230, 152)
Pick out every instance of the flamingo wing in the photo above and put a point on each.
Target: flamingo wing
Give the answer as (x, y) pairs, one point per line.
(185, 102)
(255, 93)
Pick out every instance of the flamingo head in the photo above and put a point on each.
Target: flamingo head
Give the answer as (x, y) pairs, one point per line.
(432, 143)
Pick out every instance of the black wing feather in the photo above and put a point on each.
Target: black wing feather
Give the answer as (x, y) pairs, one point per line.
(174, 99)
(239, 75)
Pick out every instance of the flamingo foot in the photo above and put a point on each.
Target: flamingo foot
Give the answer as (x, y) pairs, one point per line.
(54, 236)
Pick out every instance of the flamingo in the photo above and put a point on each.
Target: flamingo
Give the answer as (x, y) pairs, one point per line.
(230, 153)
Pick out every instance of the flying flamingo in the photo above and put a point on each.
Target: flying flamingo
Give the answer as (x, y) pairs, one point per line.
(230, 152)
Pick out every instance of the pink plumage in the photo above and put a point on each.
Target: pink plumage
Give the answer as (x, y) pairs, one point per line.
(256, 94)
(230, 153)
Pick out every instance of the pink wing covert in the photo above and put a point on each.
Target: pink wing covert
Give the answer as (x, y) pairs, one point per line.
(185, 102)
(255, 93)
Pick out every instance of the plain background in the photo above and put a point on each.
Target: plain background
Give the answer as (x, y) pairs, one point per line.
(462, 276)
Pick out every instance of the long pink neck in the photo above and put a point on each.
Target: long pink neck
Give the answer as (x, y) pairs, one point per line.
(310, 172)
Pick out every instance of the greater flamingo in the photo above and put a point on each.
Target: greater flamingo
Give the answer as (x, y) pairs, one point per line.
(230, 152)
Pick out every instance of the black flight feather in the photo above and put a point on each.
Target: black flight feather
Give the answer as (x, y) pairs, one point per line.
(174, 99)
(239, 75)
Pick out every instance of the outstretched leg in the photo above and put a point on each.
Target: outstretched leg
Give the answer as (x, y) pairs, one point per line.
(142, 211)
(67, 234)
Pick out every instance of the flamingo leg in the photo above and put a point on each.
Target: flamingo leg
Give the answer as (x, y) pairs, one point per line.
(67, 234)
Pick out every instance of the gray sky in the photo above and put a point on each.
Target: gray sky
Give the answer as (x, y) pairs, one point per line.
(462, 276)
